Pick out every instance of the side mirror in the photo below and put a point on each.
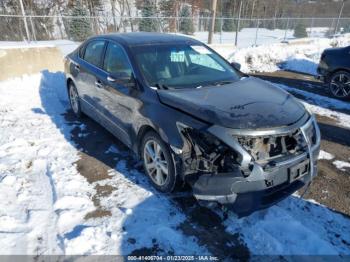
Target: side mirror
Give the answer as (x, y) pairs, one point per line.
(236, 65)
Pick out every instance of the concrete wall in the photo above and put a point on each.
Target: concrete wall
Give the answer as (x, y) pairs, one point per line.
(15, 62)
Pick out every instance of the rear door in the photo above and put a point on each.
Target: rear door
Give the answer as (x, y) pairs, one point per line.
(89, 75)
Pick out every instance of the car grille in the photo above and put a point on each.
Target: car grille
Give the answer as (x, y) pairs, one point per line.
(266, 148)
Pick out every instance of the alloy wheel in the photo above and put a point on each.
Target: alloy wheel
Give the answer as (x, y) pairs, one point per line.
(155, 163)
(340, 85)
(74, 99)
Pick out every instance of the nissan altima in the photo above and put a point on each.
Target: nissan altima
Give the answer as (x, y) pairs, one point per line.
(192, 117)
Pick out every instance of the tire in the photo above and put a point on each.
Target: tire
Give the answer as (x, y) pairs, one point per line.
(163, 182)
(339, 84)
(74, 99)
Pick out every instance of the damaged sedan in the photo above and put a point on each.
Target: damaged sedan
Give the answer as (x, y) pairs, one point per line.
(194, 118)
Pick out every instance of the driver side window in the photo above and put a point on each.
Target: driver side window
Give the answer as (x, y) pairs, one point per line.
(116, 62)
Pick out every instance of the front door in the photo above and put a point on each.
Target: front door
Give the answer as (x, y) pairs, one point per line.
(116, 97)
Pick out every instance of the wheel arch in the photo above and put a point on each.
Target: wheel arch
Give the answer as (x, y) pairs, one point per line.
(143, 130)
(330, 74)
(68, 82)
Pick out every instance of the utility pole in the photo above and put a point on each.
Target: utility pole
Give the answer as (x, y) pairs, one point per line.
(212, 24)
(24, 19)
(340, 13)
(238, 22)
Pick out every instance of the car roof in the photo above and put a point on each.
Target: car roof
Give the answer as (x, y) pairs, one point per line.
(147, 38)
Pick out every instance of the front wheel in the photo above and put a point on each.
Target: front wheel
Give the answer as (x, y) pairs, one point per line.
(339, 84)
(158, 162)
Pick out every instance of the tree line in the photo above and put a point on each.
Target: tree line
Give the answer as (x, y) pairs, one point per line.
(87, 17)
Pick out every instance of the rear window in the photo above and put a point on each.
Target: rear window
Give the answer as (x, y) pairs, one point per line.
(93, 52)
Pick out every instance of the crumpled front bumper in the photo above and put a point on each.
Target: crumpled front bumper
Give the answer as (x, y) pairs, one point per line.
(262, 188)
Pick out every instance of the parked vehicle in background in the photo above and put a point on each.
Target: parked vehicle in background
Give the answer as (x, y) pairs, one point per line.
(334, 69)
(193, 117)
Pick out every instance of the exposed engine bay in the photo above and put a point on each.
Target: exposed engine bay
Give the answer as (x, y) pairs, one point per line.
(249, 171)
(207, 154)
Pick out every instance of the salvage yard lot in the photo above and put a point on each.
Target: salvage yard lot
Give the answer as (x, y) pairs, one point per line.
(69, 187)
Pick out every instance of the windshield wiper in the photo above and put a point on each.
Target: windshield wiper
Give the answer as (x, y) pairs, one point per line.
(162, 86)
(221, 83)
(218, 83)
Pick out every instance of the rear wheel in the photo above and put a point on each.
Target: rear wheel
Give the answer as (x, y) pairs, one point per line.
(339, 84)
(74, 99)
(158, 162)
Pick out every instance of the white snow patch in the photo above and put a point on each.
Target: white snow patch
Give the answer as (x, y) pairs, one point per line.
(342, 165)
(325, 155)
(293, 226)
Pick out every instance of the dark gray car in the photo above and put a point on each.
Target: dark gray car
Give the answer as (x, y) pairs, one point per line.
(194, 118)
(334, 69)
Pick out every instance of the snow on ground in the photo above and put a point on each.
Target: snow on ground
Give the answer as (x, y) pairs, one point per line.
(325, 155)
(246, 36)
(297, 56)
(293, 226)
(43, 197)
(342, 165)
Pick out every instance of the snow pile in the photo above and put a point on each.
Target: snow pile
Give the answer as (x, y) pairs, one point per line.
(302, 57)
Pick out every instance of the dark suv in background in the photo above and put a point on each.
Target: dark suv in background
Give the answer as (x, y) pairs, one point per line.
(334, 69)
(193, 117)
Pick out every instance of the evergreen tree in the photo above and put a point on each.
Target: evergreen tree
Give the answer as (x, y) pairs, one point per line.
(300, 31)
(146, 24)
(79, 28)
(186, 23)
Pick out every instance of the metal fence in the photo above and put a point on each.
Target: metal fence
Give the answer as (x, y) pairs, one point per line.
(243, 31)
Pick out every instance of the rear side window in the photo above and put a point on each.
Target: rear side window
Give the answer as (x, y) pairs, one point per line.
(116, 62)
(93, 52)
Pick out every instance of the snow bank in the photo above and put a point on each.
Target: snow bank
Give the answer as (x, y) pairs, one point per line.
(292, 56)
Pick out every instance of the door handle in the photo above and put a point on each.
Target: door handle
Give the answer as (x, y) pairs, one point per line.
(110, 79)
(98, 84)
(77, 67)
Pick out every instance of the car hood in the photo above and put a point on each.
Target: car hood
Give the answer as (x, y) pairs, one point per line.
(246, 104)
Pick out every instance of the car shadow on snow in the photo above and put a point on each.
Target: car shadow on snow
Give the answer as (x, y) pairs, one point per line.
(175, 224)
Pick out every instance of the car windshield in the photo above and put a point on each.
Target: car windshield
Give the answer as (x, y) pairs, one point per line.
(183, 66)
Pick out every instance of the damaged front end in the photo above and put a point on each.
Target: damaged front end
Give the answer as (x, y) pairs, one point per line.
(249, 169)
